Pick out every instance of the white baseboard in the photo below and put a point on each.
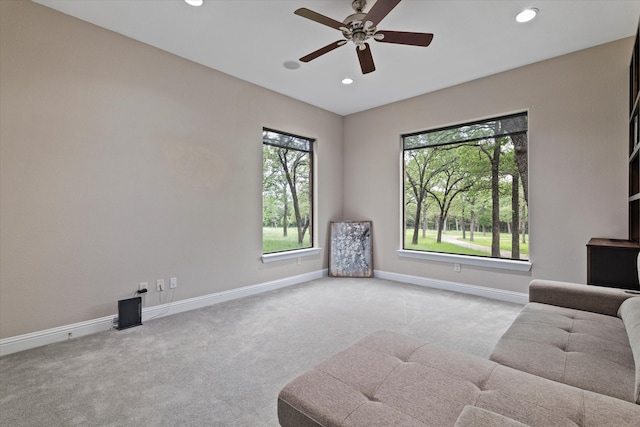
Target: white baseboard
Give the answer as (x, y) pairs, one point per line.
(49, 336)
(497, 294)
(53, 335)
(206, 300)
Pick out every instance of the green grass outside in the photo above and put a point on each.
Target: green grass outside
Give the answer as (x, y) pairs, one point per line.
(273, 241)
(429, 243)
(505, 241)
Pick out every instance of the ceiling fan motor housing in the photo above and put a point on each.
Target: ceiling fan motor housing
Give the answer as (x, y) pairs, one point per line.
(356, 29)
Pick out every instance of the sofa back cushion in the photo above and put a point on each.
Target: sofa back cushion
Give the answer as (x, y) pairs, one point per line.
(629, 312)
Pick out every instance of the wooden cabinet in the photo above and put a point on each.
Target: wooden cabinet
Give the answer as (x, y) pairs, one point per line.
(613, 263)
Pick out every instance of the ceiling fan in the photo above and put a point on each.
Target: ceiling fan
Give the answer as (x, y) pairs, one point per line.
(360, 27)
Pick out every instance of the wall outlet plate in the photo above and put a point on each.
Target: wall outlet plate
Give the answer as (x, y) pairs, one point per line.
(143, 285)
(159, 285)
(173, 282)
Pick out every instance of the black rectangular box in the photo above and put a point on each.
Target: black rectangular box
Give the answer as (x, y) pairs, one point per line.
(129, 313)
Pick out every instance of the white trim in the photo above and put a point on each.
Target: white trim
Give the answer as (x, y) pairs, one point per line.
(36, 339)
(492, 293)
(498, 263)
(53, 335)
(281, 256)
(218, 297)
(49, 336)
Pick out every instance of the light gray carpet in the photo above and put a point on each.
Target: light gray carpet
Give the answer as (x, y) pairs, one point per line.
(224, 365)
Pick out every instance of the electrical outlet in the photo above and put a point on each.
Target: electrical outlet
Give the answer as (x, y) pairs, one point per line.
(456, 268)
(144, 286)
(173, 282)
(159, 285)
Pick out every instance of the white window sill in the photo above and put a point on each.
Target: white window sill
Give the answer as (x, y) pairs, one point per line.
(501, 264)
(281, 256)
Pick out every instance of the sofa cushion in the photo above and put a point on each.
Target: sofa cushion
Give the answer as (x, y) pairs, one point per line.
(472, 416)
(629, 312)
(579, 348)
(388, 379)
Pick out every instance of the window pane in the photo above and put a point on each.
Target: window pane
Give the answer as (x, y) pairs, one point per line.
(504, 126)
(466, 189)
(287, 141)
(286, 192)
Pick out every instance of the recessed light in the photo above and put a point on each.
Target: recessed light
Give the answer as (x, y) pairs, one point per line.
(291, 65)
(527, 15)
(347, 81)
(194, 2)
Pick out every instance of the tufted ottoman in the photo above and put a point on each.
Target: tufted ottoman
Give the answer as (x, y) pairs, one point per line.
(389, 379)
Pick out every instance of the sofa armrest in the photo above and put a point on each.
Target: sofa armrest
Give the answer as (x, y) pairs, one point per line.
(597, 299)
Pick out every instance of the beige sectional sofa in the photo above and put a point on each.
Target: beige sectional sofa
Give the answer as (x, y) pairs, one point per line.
(571, 358)
(578, 335)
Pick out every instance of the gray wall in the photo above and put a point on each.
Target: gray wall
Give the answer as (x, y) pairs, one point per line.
(121, 163)
(578, 154)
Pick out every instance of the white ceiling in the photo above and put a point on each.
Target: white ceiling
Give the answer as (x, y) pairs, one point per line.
(251, 39)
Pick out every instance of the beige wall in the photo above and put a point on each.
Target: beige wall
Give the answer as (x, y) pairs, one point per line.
(121, 163)
(577, 107)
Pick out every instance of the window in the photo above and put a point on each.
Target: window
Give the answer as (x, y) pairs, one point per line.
(287, 162)
(466, 189)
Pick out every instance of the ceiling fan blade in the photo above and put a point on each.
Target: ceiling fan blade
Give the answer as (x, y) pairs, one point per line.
(403, 37)
(323, 50)
(366, 59)
(321, 19)
(380, 10)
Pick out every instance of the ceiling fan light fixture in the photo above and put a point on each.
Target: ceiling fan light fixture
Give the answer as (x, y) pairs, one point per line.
(527, 15)
(195, 3)
(347, 81)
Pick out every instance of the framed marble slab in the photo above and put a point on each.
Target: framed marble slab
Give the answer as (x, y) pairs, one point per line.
(351, 253)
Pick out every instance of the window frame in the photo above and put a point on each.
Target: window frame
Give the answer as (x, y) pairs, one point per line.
(473, 260)
(312, 250)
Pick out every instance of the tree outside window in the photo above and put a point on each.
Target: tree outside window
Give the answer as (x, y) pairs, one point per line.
(287, 162)
(466, 189)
